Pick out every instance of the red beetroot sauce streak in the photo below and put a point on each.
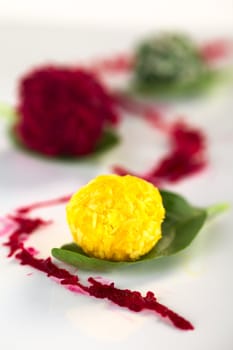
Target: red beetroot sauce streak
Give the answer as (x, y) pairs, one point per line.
(187, 155)
(132, 300)
(188, 147)
(215, 50)
(43, 204)
(120, 63)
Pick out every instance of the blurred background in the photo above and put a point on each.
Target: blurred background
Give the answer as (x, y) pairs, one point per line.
(69, 31)
(35, 32)
(200, 14)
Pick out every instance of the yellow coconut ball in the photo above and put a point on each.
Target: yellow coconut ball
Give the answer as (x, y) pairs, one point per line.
(116, 218)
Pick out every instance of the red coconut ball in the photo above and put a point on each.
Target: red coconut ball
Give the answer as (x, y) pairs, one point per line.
(62, 111)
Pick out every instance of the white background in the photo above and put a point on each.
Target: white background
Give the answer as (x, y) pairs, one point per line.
(148, 13)
(35, 313)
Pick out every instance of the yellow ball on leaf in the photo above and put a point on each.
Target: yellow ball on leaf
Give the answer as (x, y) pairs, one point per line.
(116, 218)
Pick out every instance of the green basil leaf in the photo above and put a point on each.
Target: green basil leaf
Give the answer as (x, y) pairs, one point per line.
(72, 254)
(7, 112)
(181, 225)
(204, 83)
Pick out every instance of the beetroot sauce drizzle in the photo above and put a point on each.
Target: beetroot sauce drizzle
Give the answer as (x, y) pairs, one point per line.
(187, 154)
(133, 300)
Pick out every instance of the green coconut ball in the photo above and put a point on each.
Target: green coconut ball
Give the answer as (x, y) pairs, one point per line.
(168, 62)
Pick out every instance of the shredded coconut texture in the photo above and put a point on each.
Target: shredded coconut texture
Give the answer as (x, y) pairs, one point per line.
(116, 217)
(63, 111)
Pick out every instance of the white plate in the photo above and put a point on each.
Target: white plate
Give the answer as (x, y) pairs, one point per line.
(36, 312)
